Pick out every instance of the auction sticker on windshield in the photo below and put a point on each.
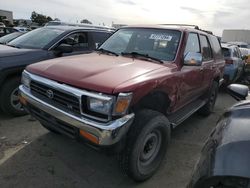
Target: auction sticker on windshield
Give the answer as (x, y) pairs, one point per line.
(160, 37)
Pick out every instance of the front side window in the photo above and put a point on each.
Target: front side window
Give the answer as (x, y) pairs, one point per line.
(193, 44)
(36, 39)
(158, 43)
(79, 41)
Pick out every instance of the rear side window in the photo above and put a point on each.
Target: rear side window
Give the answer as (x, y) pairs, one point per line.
(226, 52)
(206, 49)
(192, 43)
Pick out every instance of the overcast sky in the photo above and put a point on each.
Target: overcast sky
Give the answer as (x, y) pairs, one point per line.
(214, 15)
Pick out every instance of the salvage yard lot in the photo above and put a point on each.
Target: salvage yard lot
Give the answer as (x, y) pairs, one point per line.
(30, 156)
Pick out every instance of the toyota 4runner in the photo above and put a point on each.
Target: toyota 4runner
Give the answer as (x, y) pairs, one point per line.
(127, 96)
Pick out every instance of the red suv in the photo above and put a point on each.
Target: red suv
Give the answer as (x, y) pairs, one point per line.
(127, 96)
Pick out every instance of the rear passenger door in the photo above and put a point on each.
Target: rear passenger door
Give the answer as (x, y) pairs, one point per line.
(207, 62)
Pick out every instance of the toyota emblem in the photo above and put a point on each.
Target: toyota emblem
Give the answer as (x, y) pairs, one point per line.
(50, 94)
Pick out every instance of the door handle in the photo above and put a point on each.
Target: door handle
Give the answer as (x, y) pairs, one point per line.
(201, 69)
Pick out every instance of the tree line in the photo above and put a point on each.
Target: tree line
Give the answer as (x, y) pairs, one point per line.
(42, 19)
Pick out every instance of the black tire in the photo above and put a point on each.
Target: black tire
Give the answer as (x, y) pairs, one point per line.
(9, 102)
(207, 109)
(146, 145)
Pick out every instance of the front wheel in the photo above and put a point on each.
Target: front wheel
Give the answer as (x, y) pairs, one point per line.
(146, 145)
(9, 100)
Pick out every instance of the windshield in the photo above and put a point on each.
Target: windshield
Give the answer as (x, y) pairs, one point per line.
(9, 37)
(36, 39)
(158, 43)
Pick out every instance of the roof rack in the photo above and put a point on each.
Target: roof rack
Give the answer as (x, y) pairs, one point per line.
(60, 23)
(185, 25)
(190, 25)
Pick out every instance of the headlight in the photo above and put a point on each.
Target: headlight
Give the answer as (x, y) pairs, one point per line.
(100, 105)
(25, 79)
(122, 103)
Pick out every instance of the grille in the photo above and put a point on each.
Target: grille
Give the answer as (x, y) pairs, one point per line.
(54, 97)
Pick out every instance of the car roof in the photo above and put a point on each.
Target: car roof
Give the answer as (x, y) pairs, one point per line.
(71, 28)
(190, 28)
(228, 45)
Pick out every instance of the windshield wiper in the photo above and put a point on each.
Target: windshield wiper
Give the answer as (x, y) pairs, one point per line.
(106, 51)
(12, 45)
(136, 54)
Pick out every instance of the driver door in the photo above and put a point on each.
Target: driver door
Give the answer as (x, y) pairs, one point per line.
(191, 76)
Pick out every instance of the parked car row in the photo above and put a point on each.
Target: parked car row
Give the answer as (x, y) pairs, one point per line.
(127, 95)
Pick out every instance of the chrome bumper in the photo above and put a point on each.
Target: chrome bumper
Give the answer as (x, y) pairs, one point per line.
(107, 133)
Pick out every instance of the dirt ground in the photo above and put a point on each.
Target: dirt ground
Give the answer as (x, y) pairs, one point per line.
(30, 156)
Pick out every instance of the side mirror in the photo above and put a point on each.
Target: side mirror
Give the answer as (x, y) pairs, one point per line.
(238, 91)
(193, 59)
(64, 48)
(97, 45)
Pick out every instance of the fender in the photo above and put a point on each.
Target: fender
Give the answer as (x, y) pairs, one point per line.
(226, 152)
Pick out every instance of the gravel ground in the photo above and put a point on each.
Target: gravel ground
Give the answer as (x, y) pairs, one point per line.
(30, 156)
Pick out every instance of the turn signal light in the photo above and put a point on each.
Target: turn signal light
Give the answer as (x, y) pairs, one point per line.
(22, 100)
(122, 105)
(89, 137)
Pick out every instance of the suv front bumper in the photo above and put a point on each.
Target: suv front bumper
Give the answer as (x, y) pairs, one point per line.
(107, 133)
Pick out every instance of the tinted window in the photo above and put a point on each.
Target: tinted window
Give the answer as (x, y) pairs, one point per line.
(10, 37)
(37, 38)
(158, 43)
(100, 37)
(226, 52)
(206, 49)
(192, 43)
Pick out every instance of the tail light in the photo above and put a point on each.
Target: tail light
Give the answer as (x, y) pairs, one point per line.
(229, 61)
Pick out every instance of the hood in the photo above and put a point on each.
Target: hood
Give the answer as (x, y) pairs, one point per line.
(97, 72)
(11, 57)
(6, 51)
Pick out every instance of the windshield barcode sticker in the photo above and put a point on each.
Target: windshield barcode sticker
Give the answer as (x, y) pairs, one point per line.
(160, 37)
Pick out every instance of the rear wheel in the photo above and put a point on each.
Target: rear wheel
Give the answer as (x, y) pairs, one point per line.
(212, 96)
(146, 145)
(9, 100)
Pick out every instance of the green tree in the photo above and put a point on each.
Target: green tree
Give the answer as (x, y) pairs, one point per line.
(40, 18)
(85, 21)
